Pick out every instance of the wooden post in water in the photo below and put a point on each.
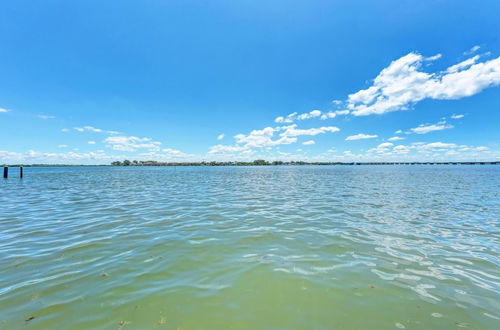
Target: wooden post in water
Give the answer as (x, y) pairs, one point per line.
(5, 172)
(21, 172)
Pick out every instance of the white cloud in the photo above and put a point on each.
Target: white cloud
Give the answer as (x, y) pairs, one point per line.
(88, 128)
(294, 116)
(342, 112)
(309, 143)
(402, 84)
(62, 146)
(401, 149)
(398, 131)
(64, 129)
(329, 114)
(313, 114)
(45, 117)
(433, 58)
(385, 145)
(360, 136)
(288, 119)
(222, 149)
(472, 50)
(220, 136)
(395, 138)
(435, 145)
(383, 148)
(91, 142)
(92, 129)
(424, 129)
(266, 138)
(32, 157)
(131, 143)
(3, 110)
(308, 115)
(457, 116)
(166, 155)
(462, 65)
(292, 130)
(173, 152)
(263, 138)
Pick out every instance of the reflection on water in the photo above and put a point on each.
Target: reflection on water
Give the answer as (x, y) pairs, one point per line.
(351, 247)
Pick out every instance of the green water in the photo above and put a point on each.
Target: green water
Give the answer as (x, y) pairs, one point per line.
(353, 247)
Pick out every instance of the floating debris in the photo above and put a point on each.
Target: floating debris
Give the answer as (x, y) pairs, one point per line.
(461, 324)
(438, 315)
(122, 324)
(162, 320)
(104, 275)
(29, 318)
(400, 326)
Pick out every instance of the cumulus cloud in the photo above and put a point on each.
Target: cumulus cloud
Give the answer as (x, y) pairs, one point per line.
(288, 119)
(382, 148)
(294, 116)
(457, 116)
(328, 115)
(166, 154)
(220, 136)
(91, 142)
(401, 149)
(360, 136)
(308, 115)
(223, 149)
(312, 114)
(308, 143)
(292, 130)
(472, 50)
(62, 146)
(70, 157)
(131, 143)
(462, 65)
(92, 129)
(424, 129)
(269, 137)
(403, 84)
(263, 138)
(395, 138)
(333, 114)
(3, 110)
(434, 145)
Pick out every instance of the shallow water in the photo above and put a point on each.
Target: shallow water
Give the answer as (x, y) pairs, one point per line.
(326, 247)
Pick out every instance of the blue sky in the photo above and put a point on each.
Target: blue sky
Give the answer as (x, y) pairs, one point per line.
(94, 81)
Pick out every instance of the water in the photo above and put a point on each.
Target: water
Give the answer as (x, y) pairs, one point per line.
(353, 247)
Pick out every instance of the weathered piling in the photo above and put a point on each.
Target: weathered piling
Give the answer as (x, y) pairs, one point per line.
(21, 172)
(5, 172)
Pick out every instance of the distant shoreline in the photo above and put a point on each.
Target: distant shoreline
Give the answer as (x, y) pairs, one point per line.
(254, 163)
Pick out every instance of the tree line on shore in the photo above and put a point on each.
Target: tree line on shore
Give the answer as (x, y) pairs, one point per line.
(258, 162)
(262, 162)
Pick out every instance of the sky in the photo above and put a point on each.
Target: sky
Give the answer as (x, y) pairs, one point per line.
(90, 82)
